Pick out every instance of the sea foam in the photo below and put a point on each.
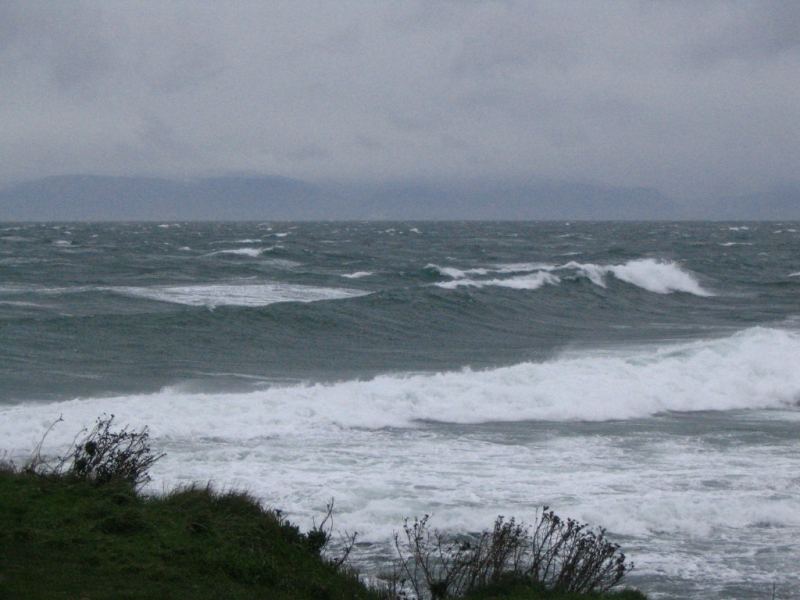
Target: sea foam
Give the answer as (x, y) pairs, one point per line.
(521, 282)
(237, 295)
(251, 252)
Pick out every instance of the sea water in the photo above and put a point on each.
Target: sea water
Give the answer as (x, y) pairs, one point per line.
(643, 377)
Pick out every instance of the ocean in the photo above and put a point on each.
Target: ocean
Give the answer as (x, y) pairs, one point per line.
(642, 377)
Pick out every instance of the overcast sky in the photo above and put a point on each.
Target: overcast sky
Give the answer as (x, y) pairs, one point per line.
(691, 98)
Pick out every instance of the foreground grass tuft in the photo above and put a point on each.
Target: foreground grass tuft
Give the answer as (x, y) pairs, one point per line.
(62, 537)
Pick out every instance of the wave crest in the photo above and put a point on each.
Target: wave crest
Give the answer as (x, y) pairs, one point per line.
(658, 276)
(752, 369)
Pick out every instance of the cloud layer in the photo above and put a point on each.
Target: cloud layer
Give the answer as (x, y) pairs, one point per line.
(690, 98)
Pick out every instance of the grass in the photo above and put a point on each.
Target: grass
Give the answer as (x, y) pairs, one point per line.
(62, 538)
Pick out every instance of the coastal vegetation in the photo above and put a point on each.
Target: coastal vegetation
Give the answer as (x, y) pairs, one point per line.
(79, 527)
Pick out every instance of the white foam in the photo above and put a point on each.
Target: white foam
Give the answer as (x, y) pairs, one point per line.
(525, 267)
(658, 276)
(508, 268)
(357, 274)
(252, 252)
(62, 243)
(794, 274)
(661, 277)
(237, 295)
(282, 263)
(23, 304)
(36, 289)
(521, 282)
(729, 244)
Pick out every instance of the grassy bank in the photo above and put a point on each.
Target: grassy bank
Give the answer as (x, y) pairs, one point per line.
(71, 539)
(78, 529)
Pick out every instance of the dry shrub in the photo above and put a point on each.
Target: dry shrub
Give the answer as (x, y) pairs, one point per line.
(104, 455)
(553, 553)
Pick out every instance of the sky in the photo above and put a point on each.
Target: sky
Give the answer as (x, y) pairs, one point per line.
(689, 98)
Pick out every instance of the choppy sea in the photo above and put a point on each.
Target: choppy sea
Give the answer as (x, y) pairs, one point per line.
(642, 377)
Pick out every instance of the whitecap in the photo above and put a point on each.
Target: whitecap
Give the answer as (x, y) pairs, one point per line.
(358, 274)
(251, 252)
(521, 282)
(661, 277)
(212, 295)
(658, 276)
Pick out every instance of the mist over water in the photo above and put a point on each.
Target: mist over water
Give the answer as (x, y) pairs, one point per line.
(642, 377)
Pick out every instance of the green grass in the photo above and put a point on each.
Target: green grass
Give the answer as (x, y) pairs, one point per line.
(67, 539)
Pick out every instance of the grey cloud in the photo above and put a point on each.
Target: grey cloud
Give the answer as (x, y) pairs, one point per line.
(751, 31)
(690, 98)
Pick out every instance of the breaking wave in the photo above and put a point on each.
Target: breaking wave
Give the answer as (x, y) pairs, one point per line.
(658, 276)
(753, 369)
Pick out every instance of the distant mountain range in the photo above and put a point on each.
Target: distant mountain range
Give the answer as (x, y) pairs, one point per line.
(102, 198)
